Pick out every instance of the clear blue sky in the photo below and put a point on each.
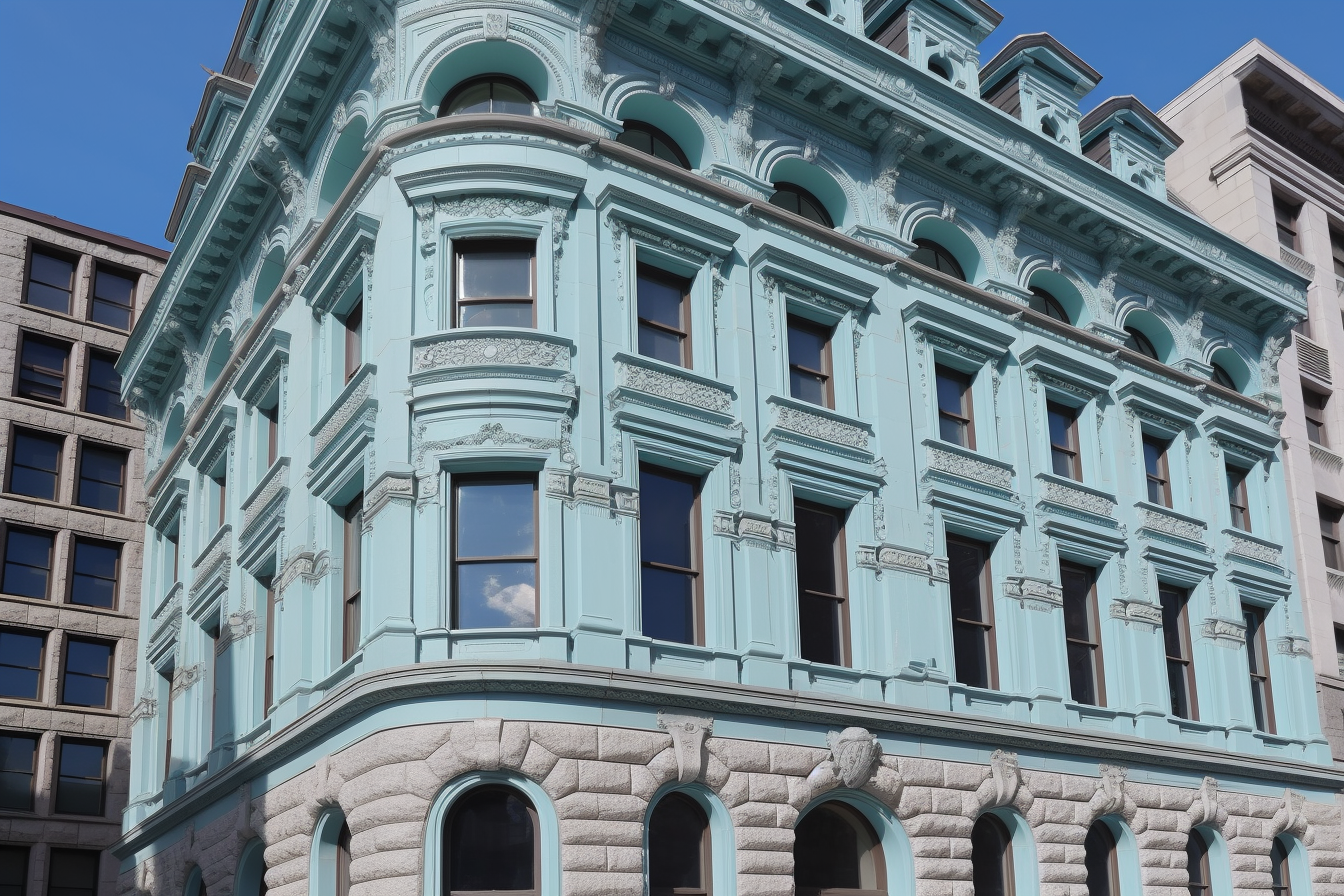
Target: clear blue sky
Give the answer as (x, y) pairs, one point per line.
(99, 94)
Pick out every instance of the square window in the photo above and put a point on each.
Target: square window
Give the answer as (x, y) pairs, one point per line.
(74, 872)
(1155, 470)
(669, 553)
(88, 673)
(1285, 222)
(1329, 519)
(93, 581)
(664, 301)
(955, 418)
(51, 280)
(969, 586)
(102, 388)
(35, 465)
(496, 283)
(495, 552)
(113, 292)
(1063, 425)
(27, 569)
(21, 663)
(18, 768)
(810, 362)
(42, 366)
(102, 475)
(13, 870)
(823, 611)
(79, 778)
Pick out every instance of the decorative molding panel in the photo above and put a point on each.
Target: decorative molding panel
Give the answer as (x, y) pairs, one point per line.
(968, 466)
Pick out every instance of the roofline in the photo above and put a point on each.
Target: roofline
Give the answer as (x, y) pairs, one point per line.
(234, 63)
(1246, 54)
(100, 236)
(217, 83)
(1036, 39)
(1134, 104)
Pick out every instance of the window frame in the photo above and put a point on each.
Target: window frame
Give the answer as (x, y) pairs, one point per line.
(823, 216)
(25, 337)
(494, 477)
(645, 270)
(696, 534)
(60, 857)
(39, 669)
(458, 278)
(1070, 452)
(1337, 249)
(84, 447)
(1197, 865)
(942, 258)
(1257, 663)
(1238, 497)
(8, 530)
(343, 859)
(94, 299)
(840, 575)
(17, 850)
(1287, 222)
(492, 78)
(640, 126)
(90, 388)
(1141, 343)
(1093, 640)
(986, 624)
(352, 575)
(58, 776)
(57, 439)
(1280, 870)
(1111, 858)
(965, 419)
(1161, 477)
(70, 258)
(447, 855)
(111, 670)
(1180, 617)
(1051, 306)
(72, 573)
(851, 815)
(1004, 847)
(32, 772)
(352, 326)
(706, 887)
(827, 372)
(270, 414)
(1329, 517)
(1314, 410)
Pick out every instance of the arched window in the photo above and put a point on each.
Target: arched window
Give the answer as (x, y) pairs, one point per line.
(992, 857)
(648, 139)
(679, 848)
(1197, 864)
(1048, 128)
(251, 877)
(817, 6)
(1222, 377)
(938, 68)
(1103, 869)
(1047, 304)
(1140, 343)
(490, 843)
(489, 93)
(342, 875)
(836, 851)
(794, 198)
(936, 256)
(1279, 884)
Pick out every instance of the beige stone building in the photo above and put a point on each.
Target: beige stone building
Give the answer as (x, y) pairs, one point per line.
(71, 529)
(1263, 160)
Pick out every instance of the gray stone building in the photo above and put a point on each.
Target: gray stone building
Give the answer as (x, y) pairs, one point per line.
(71, 530)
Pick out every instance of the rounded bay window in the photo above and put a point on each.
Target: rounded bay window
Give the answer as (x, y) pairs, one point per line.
(937, 256)
(836, 851)
(494, 93)
(491, 844)
(648, 139)
(793, 198)
(679, 848)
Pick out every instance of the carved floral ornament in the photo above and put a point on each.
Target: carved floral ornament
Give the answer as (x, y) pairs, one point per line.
(465, 350)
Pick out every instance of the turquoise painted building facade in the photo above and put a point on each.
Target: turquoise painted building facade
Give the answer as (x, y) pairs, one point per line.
(760, 412)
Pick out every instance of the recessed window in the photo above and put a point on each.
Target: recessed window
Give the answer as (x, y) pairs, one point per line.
(269, 420)
(343, 861)
(489, 93)
(648, 139)
(495, 552)
(13, 870)
(1103, 868)
(1180, 658)
(810, 362)
(936, 255)
(664, 301)
(219, 495)
(1313, 409)
(102, 477)
(353, 325)
(669, 554)
(51, 281)
(1197, 865)
(352, 575)
(955, 420)
(1063, 424)
(1339, 651)
(1279, 882)
(938, 68)
(268, 673)
(21, 663)
(1238, 502)
(992, 858)
(18, 768)
(1222, 377)
(88, 673)
(113, 293)
(969, 584)
(823, 612)
(679, 854)
(42, 369)
(102, 388)
(74, 872)
(1329, 517)
(166, 688)
(27, 570)
(796, 199)
(93, 579)
(1337, 250)
(1045, 303)
(79, 779)
(817, 6)
(1082, 634)
(1155, 470)
(35, 464)
(491, 844)
(1257, 661)
(1285, 223)
(1136, 341)
(496, 283)
(836, 851)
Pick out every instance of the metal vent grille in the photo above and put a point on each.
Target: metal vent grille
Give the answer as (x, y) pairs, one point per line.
(1313, 358)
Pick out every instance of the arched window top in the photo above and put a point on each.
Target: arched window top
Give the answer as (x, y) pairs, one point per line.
(1197, 864)
(992, 857)
(938, 67)
(818, 7)
(1049, 129)
(935, 255)
(1222, 377)
(836, 850)
(1135, 340)
(342, 875)
(1279, 881)
(679, 848)
(341, 164)
(1103, 867)
(489, 93)
(1044, 301)
(251, 875)
(1229, 370)
(646, 138)
(796, 199)
(491, 843)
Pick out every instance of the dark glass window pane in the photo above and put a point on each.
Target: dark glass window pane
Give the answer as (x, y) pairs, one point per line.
(1152, 458)
(660, 301)
(816, 534)
(820, 602)
(933, 255)
(677, 833)
(1061, 422)
(648, 139)
(971, 626)
(665, 504)
(101, 473)
(820, 627)
(18, 757)
(660, 345)
(94, 582)
(475, 98)
(74, 872)
(668, 605)
(79, 785)
(42, 369)
(829, 851)
(112, 299)
(1099, 857)
(103, 395)
(502, 270)
(990, 857)
(20, 664)
(37, 463)
(27, 563)
(13, 870)
(88, 673)
(794, 198)
(496, 314)
(491, 842)
(50, 282)
(495, 519)
(497, 595)
(808, 364)
(807, 347)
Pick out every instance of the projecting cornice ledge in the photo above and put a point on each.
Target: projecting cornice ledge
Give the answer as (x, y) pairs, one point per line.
(552, 680)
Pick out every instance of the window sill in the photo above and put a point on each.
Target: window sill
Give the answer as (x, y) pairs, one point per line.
(82, 321)
(81, 414)
(66, 605)
(77, 508)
